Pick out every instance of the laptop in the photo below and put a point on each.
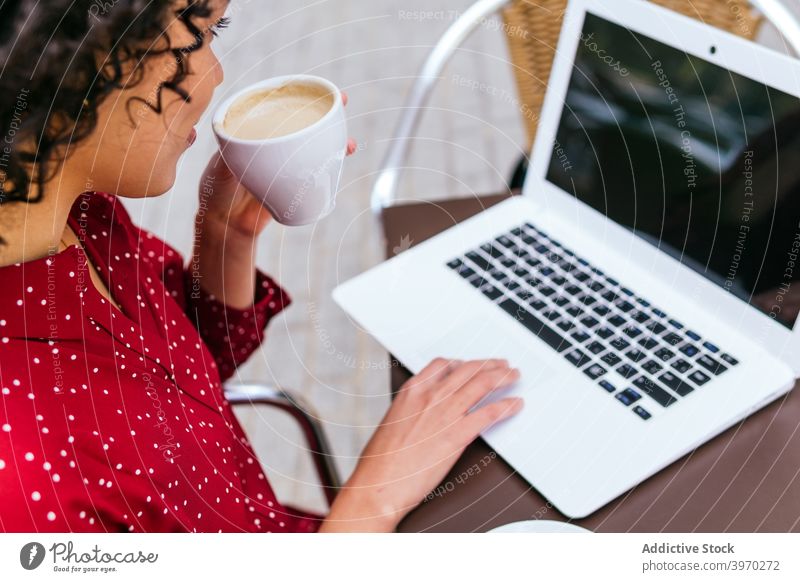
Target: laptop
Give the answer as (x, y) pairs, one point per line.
(645, 282)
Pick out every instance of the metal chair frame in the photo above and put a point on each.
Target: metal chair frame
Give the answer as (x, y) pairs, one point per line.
(384, 192)
(252, 394)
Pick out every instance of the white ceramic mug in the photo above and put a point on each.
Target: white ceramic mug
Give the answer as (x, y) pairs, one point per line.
(296, 176)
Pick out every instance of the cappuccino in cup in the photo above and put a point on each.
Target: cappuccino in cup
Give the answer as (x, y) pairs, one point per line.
(277, 112)
(285, 139)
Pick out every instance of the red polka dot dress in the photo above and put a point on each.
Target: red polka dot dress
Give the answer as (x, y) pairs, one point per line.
(117, 421)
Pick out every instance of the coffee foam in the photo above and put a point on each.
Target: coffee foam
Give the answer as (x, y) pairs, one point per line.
(272, 113)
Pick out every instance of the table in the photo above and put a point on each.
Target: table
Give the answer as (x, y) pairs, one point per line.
(745, 480)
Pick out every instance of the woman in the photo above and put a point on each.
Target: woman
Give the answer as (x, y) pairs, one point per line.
(112, 352)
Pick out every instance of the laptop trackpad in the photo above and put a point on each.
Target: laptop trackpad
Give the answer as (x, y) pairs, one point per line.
(473, 343)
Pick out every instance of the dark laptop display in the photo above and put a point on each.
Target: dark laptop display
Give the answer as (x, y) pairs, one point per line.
(699, 161)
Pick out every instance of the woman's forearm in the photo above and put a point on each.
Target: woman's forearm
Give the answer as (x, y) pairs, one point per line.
(358, 511)
(223, 263)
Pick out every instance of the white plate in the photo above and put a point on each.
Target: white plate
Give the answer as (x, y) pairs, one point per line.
(539, 526)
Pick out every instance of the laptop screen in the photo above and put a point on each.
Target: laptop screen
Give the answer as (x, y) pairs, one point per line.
(699, 161)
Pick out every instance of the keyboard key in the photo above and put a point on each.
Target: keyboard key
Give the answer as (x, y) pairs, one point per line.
(642, 412)
(628, 396)
(601, 310)
(537, 304)
(532, 261)
(627, 371)
(681, 366)
(535, 325)
(642, 302)
(578, 358)
(676, 324)
(656, 327)
(492, 292)
(580, 336)
(558, 280)
(581, 276)
(466, 272)
(672, 381)
(607, 386)
(546, 272)
(597, 286)
(619, 344)
(604, 332)
(652, 367)
(711, 365)
(625, 306)
(658, 313)
(566, 325)
(611, 359)
(551, 315)
(673, 339)
(546, 291)
(596, 347)
(689, 349)
(648, 343)
(617, 320)
(729, 359)
(711, 347)
(610, 296)
(508, 263)
(573, 290)
(699, 377)
(524, 294)
(640, 317)
(654, 391)
(664, 354)
(627, 291)
(478, 260)
(589, 322)
(631, 331)
(505, 241)
(561, 301)
(636, 355)
(595, 371)
(455, 264)
(693, 335)
(587, 300)
(574, 311)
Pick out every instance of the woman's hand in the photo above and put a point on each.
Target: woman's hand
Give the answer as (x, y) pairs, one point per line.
(226, 230)
(230, 209)
(419, 440)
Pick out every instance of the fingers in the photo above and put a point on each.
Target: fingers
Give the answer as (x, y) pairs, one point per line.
(483, 384)
(466, 371)
(475, 423)
(434, 372)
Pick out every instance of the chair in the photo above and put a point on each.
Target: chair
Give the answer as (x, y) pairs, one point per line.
(263, 395)
(533, 28)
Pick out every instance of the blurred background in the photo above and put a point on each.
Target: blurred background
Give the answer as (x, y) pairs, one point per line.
(468, 144)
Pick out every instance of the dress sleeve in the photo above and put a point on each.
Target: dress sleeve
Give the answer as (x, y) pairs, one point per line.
(231, 334)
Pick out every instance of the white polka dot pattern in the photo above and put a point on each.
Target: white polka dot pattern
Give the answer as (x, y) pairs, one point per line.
(116, 421)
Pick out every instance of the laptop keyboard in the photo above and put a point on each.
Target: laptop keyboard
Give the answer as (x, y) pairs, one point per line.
(597, 324)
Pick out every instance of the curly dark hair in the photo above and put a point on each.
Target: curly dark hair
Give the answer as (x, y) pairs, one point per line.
(62, 58)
